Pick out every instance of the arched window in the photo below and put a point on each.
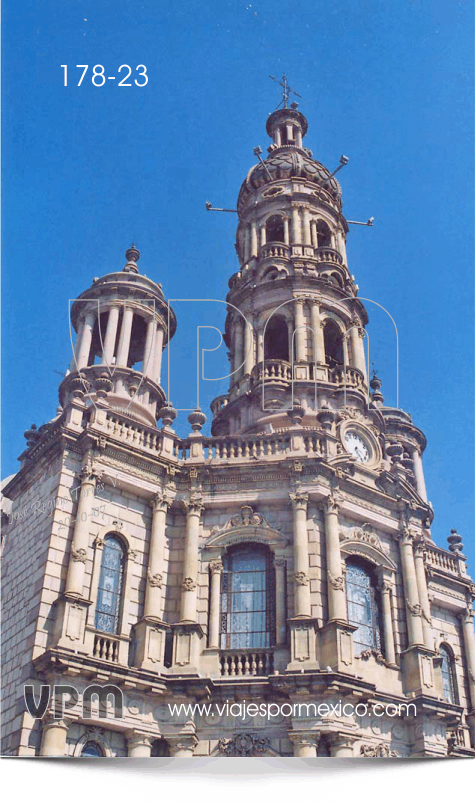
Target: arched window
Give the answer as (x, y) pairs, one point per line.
(275, 229)
(333, 341)
(448, 676)
(247, 598)
(160, 748)
(276, 339)
(363, 606)
(324, 236)
(91, 749)
(109, 595)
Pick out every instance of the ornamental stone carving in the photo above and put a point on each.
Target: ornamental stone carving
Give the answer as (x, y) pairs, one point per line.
(381, 750)
(301, 578)
(79, 555)
(246, 517)
(337, 582)
(189, 584)
(414, 609)
(299, 499)
(244, 744)
(155, 579)
(372, 652)
(216, 567)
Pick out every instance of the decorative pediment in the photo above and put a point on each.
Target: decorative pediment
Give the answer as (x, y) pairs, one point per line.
(245, 526)
(362, 541)
(397, 488)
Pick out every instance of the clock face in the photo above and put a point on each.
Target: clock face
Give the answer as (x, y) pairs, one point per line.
(356, 445)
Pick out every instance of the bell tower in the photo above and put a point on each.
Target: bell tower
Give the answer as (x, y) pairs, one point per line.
(295, 326)
(123, 324)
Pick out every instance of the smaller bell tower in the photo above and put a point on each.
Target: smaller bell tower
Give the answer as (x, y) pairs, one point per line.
(123, 324)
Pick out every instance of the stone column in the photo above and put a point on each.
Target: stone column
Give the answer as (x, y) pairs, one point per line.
(317, 328)
(84, 340)
(279, 565)
(300, 332)
(260, 347)
(254, 248)
(286, 231)
(138, 745)
(111, 335)
(357, 348)
(262, 233)
(296, 236)
(307, 237)
(153, 594)
(247, 244)
(148, 352)
(80, 543)
(124, 339)
(419, 474)
(238, 347)
(53, 738)
(248, 348)
(313, 229)
(466, 619)
(190, 572)
(423, 594)
(336, 581)
(301, 562)
(215, 569)
(413, 607)
(385, 588)
(158, 350)
(305, 743)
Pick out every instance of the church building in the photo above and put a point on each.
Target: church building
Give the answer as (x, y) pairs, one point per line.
(286, 561)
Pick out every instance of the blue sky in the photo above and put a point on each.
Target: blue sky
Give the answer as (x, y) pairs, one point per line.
(88, 170)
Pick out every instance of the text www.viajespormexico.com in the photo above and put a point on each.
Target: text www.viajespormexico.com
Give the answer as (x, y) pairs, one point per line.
(270, 710)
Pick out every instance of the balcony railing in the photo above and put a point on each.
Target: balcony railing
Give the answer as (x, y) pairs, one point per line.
(272, 370)
(274, 249)
(436, 557)
(106, 648)
(247, 662)
(327, 255)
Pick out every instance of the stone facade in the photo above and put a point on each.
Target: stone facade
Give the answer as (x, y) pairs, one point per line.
(306, 467)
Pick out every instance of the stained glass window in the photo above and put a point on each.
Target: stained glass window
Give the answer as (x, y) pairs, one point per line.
(91, 749)
(110, 586)
(448, 681)
(363, 610)
(247, 599)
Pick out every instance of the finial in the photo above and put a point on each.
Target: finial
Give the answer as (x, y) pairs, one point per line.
(132, 256)
(197, 419)
(167, 414)
(455, 541)
(286, 90)
(375, 384)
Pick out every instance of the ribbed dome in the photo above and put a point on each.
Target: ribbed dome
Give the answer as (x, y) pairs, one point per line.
(283, 163)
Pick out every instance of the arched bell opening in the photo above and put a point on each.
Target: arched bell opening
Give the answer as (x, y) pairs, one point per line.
(276, 339)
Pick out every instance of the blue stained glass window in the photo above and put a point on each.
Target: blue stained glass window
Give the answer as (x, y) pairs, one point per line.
(448, 681)
(362, 604)
(91, 749)
(247, 599)
(110, 586)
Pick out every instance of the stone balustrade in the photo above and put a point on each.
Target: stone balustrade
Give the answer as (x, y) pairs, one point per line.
(253, 662)
(443, 560)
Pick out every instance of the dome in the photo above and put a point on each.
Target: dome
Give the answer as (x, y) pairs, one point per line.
(283, 163)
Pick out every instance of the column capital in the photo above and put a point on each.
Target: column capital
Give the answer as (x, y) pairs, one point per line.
(331, 504)
(299, 500)
(182, 743)
(194, 506)
(49, 721)
(162, 500)
(301, 739)
(89, 472)
(216, 567)
(279, 561)
(406, 536)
